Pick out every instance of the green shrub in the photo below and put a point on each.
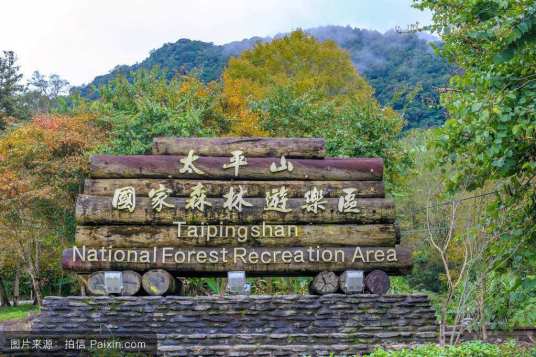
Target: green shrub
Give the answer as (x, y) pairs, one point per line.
(466, 349)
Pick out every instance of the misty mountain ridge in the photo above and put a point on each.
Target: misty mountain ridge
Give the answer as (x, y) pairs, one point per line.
(394, 64)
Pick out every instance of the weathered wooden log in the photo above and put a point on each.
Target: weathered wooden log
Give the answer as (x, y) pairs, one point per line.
(162, 166)
(344, 286)
(99, 210)
(131, 283)
(138, 236)
(312, 148)
(325, 282)
(253, 260)
(216, 188)
(159, 282)
(377, 282)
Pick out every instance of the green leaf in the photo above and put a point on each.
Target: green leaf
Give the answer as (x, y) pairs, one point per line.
(504, 56)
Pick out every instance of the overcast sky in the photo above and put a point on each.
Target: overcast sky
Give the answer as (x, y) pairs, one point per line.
(79, 39)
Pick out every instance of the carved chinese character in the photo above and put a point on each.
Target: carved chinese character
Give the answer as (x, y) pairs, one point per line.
(158, 198)
(188, 164)
(235, 200)
(314, 200)
(124, 199)
(238, 159)
(198, 198)
(276, 200)
(283, 165)
(348, 202)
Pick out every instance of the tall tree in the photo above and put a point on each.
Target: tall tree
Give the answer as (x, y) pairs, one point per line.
(297, 61)
(10, 86)
(43, 93)
(299, 86)
(490, 133)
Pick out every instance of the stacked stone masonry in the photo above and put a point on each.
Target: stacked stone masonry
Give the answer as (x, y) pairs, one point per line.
(294, 325)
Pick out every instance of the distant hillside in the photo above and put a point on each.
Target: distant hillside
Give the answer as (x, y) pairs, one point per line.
(182, 56)
(394, 65)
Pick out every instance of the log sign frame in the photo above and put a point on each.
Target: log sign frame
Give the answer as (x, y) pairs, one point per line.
(265, 206)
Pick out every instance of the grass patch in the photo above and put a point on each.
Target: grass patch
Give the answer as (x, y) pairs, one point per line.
(17, 312)
(466, 349)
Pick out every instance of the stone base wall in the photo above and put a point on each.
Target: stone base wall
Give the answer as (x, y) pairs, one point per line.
(293, 325)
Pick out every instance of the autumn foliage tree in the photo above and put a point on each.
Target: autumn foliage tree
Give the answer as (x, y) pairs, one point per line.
(298, 86)
(297, 61)
(41, 167)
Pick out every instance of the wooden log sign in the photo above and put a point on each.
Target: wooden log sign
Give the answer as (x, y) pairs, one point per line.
(305, 148)
(205, 206)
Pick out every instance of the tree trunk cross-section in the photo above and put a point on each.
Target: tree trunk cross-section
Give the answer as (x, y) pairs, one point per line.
(311, 148)
(326, 282)
(99, 210)
(146, 236)
(215, 188)
(162, 166)
(159, 282)
(131, 283)
(377, 282)
(252, 260)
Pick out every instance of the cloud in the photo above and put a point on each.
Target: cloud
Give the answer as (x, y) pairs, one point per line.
(81, 39)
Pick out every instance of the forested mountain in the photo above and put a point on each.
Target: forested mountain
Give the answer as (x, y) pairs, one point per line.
(182, 56)
(401, 68)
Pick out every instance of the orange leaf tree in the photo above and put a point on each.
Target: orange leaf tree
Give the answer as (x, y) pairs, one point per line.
(41, 166)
